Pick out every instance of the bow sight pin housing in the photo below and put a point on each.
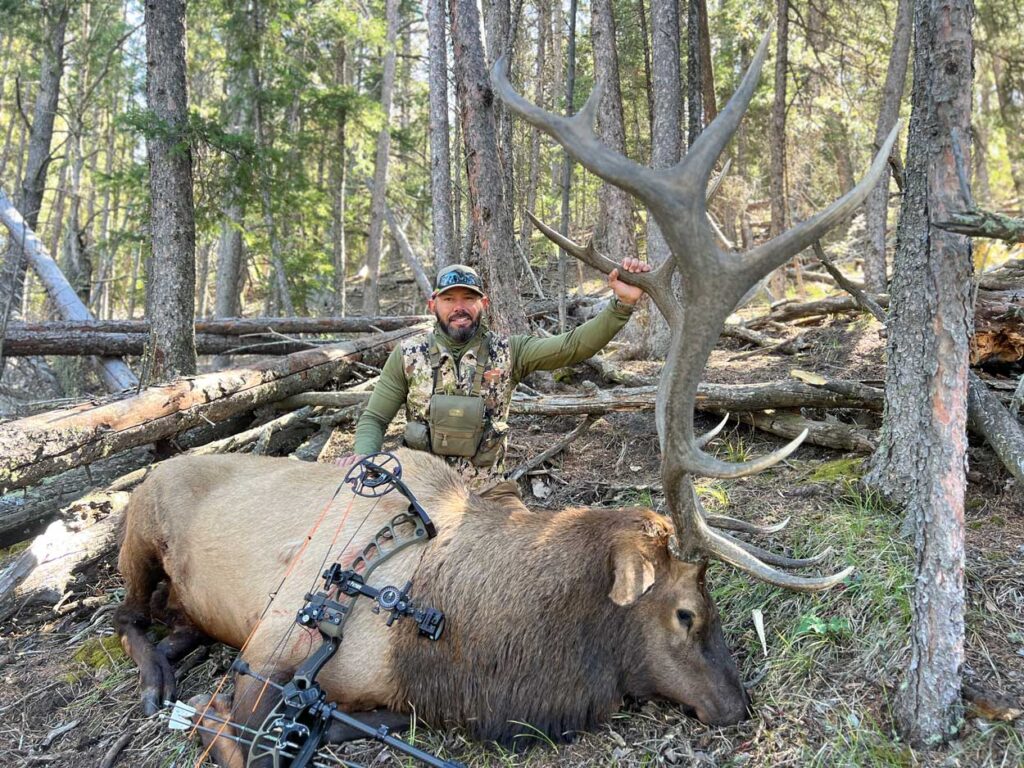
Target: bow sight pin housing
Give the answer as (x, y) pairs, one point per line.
(394, 601)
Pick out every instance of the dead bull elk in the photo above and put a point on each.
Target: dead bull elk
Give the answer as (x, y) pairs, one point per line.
(552, 619)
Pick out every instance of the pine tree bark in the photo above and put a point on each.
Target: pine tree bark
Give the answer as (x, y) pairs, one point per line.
(374, 241)
(440, 157)
(694, 73)
(922, 454)
(491, 217)
(876, 209)
(172, 273)
(614, 234)
(666, 141)
(777, 140)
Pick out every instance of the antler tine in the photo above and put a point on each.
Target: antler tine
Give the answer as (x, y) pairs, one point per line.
(732, 524)
(695, 539)
(656, 283)
(774, 253)
(708, 436)
(576, 135)
(702, 155)
(771, 558)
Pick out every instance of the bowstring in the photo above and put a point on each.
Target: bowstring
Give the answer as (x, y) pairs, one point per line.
(259, 621)
(282, 644)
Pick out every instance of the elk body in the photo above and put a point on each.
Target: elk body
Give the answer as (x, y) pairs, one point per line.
(552, 618)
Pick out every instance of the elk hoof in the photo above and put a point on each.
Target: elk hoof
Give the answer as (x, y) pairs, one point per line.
(158, 684)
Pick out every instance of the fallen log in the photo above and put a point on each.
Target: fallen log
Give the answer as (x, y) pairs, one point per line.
(240, 326)
(24, 343)
(38, 446)
(987, 416)
(998, 327)
(86, 529)
(710, 397)
(828, 434)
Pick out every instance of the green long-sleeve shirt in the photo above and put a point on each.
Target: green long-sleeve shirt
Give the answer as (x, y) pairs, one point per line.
(529, 354)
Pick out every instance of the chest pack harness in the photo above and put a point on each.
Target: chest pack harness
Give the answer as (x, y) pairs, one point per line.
(294, 731)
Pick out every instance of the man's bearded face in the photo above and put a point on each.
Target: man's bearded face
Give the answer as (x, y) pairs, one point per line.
(458, 312)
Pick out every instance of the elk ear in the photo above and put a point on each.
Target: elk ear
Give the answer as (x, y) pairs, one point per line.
(633, 573)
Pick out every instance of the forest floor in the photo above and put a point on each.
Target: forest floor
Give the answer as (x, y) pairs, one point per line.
(823, 688)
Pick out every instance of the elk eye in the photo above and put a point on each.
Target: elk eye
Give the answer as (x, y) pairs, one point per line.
(684, 617)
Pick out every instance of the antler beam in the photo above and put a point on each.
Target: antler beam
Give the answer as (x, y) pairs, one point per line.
(713, 281)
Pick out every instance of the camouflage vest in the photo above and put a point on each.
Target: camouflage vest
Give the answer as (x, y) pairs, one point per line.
(424, 355)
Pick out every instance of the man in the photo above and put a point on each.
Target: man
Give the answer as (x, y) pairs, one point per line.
(456, 382)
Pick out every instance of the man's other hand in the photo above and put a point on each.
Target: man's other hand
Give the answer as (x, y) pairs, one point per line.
(627, 294)
(349, 460)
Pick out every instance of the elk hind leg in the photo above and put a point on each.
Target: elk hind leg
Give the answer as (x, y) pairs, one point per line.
(142, 574)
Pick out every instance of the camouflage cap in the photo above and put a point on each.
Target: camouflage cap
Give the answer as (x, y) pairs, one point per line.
(458, 276)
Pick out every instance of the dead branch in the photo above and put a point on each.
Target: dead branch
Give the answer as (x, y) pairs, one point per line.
(555, 449)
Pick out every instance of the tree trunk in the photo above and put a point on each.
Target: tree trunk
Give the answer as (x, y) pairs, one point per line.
(172, 274)
(33, 183)
(614, 233)
(666, 147)
(497, 20)
(533, 174)
(694, 73)
(707, 71)
(876, 210)
(440, 158)
(777, 140)
(279, 278)
(230, 248)
(374, 242)
(338, 179)
(491, 217)
(1011, 110)
(922, 455)
(567, 166)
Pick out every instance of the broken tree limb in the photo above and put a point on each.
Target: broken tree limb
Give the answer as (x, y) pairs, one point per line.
(998, 327)
(116, 375)
(987, 417)
(848, 285)
(408, 255)
(38, 446)
(979, 223)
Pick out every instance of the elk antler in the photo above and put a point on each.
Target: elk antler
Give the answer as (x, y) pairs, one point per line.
(713, 281)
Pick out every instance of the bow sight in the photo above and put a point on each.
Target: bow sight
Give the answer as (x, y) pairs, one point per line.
(294, 731)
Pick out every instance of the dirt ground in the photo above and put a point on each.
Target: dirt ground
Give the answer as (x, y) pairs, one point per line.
(823, 683)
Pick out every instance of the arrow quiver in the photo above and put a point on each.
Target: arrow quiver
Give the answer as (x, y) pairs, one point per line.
(293, 732)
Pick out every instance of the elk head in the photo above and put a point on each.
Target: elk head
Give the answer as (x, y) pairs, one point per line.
(713, 282)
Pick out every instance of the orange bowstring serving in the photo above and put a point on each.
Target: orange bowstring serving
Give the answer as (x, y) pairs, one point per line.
(259, 621)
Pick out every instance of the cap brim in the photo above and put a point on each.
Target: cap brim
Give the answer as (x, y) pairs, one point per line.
(473, 288)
